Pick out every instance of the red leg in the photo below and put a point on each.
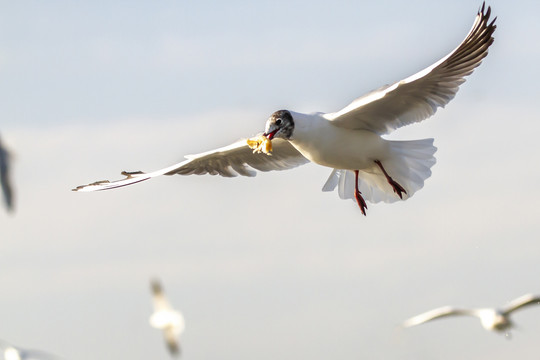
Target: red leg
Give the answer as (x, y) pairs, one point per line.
(398, 189)
(358, 195)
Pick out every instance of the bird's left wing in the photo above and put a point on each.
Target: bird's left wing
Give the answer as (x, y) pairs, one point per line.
(229, 161)
(417, 97)
(520, 302)
(434, 314)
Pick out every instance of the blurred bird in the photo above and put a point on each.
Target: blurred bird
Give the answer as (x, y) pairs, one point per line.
(170, 321)
(5, 180)
(10, 352)
(365, 166)
(491, 319)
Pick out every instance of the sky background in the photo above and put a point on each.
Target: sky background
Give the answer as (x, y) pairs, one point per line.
(266, 267)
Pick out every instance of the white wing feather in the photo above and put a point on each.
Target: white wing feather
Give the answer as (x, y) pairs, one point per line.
(229, 161)
(418, 96)
(525, 300)
(435, 314)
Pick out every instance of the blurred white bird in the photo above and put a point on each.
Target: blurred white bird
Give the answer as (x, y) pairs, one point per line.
(165, 318)
(366, 166)
(10, 352)
(5, 180)
(491, 319)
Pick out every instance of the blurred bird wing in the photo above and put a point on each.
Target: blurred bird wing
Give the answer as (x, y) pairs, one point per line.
(435, 314)
(5, 180)
(229, 161)
(417, 97)
(171, 339)
(522, 301)
(158, 297)
(36, 355)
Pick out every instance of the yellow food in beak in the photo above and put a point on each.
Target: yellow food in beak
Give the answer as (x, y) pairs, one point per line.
(260, 144)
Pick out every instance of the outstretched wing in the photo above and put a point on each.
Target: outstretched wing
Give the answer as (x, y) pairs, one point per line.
(417, 97)
(36, 355)
(435, 314)
(158, 297)
(229, 161)
(520, 302)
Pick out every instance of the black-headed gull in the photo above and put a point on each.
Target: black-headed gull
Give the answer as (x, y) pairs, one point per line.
(165, 318)
(491, 319)
(365, 165)
(5, 180)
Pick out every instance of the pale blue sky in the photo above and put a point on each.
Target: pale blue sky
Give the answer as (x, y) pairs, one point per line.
(90, 89)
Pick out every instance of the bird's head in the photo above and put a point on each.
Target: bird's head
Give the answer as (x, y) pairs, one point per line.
(279, 125)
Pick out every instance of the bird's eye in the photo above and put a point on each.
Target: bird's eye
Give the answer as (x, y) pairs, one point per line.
(278, 122)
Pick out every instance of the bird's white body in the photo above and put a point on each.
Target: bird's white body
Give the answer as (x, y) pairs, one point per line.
(168, 319)
(494, 320)
(12, 354)
(334, 146)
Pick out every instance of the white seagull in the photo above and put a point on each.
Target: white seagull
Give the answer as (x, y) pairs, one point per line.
(365, 166)
(491, 319)
(5, 180)
(165, 318)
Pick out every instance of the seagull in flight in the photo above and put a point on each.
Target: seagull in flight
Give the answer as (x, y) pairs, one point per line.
(5, 180)
(170, 321)
(365, 166)
(491, 319)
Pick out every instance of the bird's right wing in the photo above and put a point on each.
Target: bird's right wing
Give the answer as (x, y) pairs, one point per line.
(525, 300)
(434, 314)
(229, 161)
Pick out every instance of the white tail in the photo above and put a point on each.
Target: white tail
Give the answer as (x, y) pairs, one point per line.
(409, 164)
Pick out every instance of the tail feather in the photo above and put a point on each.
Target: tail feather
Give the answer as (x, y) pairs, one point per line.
(409, 164)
